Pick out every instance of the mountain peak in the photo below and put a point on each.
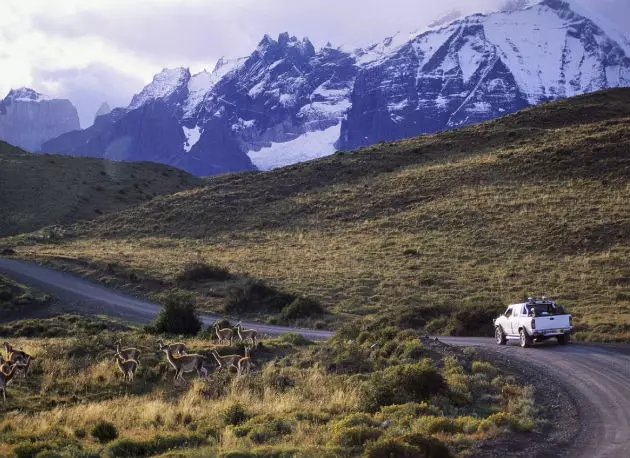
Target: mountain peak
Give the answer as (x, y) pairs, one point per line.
(25, 94)
(284, 43)
(163, 85)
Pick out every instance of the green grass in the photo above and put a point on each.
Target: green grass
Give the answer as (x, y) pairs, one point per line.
(41, 190)
(429, 231)
(16, 297)
(303, 399)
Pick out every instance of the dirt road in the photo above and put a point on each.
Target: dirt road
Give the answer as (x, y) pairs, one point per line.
(596, 379)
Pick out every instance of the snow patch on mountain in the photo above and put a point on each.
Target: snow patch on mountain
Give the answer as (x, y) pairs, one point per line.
(25, 94)
(311, 145)
(192, 137)
(163, 85)
(612, 16)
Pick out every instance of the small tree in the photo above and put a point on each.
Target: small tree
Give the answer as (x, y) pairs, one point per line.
(178, 314)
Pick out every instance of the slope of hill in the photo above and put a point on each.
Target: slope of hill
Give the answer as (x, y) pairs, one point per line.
(41, 190)
(424, 230)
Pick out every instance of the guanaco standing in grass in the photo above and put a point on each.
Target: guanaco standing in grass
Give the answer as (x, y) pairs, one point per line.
(179, 348)
(5, 377)
(226, 361)
(224, 335)
(127, 353)
(127, 367)
(20, 357)
(184, 363)
(245, 334)
(245, 364)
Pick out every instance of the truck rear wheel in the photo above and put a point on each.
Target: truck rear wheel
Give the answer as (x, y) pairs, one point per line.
(526, 342)
(499, 336)
(564, 339)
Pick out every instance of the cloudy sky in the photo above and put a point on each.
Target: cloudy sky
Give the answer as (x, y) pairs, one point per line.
(92, 51)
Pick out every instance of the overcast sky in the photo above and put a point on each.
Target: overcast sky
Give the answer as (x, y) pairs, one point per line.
(92, 51)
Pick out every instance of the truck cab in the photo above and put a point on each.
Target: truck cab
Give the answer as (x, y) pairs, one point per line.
(533, 321)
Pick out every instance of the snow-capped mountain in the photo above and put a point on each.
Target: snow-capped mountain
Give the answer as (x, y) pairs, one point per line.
(288, 102)
(28, 118)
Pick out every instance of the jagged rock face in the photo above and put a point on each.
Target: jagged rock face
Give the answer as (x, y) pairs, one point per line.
(28, 119)
(287, 102)
(479, 68)
(102, 110)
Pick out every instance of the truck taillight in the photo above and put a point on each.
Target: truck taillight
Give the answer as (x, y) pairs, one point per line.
(533, 323)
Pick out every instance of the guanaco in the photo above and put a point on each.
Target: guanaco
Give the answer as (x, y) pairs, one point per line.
(184, 363)
(245, 334)
(127, 353)
(5, 377)
(127, 366)
(245, 364)
(224, 335)
(179, 348)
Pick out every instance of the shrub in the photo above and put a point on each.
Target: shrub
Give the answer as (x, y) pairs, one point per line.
(391, 448)
(268, 430)
(303, 307)
(432, 448)
(353, 439)
(199, 271)
(178, 314)
(154, 446)
(256, 297)
(402, 384)
(235, 415)
(6, 296)
(104, 432)
(295, 338)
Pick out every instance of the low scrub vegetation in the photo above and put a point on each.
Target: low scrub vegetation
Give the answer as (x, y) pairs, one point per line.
(396, 396)
(178, 314)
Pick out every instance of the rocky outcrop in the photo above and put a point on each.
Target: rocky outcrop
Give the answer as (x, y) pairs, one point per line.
(28, 119)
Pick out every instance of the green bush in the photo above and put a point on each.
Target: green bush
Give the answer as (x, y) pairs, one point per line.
(159, 444)
(104, 432)
(199, 271)
(303, 307)
(402, 384)
(235, 415)
(256, 297)
(295, 338)
(354, 439)
(178, 314)
(392, 448)
(30, 450)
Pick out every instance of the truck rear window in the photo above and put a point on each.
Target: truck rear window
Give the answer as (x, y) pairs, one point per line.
(545, 309)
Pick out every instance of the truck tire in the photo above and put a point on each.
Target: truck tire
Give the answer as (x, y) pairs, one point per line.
(564, 339)
(525, 340)
(499, 336)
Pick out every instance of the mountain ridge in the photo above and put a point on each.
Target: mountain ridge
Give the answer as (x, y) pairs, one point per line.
(288, 102)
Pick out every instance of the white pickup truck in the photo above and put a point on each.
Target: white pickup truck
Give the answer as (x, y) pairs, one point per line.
(533, 321)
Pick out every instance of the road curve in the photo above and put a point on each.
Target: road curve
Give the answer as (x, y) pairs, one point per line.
(84, 296)
(597, 379)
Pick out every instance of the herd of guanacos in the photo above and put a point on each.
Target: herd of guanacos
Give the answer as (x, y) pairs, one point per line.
(127, 358)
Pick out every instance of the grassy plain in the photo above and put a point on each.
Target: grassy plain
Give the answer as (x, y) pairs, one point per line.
(423, 229)
(340, 399)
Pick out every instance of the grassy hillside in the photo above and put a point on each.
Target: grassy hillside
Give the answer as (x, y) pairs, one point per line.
(41, 190)
(338, 399)
(440, 230)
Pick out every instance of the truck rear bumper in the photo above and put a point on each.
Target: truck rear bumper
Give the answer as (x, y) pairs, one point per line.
(552, 332)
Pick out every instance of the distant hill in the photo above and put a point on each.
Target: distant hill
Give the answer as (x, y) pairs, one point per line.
(40, 190)
(419, 230)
